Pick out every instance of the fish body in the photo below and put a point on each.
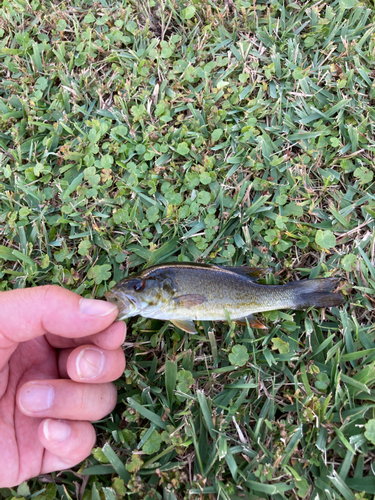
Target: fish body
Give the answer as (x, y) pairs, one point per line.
(184, 292)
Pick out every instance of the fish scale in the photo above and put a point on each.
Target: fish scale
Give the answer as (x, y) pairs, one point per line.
(223, 291)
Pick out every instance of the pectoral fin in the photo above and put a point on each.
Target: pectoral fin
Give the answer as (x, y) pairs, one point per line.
(186, 325)
(190, 300)
(253, 322)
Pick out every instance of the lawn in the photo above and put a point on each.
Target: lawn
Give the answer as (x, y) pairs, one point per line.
(232, 132)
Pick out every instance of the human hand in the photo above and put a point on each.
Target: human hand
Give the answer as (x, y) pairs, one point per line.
(58, 354)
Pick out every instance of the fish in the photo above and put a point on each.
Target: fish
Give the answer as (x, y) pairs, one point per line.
(184, 292)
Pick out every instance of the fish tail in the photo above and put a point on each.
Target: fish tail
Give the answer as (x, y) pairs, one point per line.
(315, 293)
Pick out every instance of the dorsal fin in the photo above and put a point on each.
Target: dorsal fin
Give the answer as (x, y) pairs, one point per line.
(253, 273)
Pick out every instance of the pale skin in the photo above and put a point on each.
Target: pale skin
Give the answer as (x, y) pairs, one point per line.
(59, 354)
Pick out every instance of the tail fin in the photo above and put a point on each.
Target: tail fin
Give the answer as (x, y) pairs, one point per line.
(315, 293)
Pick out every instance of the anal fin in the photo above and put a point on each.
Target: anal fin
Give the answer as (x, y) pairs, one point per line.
(253, 322)
(186, 325)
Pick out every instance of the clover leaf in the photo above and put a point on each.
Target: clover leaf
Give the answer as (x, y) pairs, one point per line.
(364, 174)
(280, 345)
(239, 355)
(216, 134)
(84, 247)
(183, 149)
(152, 445)
(325, 239)
(135, 463)
(100, 273)
(348, 262)
(188, 13)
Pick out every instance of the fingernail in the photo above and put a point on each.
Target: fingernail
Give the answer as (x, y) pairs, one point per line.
(93, 307)
(56, 430)
(90, 363)
(36, 397)
(124, 337)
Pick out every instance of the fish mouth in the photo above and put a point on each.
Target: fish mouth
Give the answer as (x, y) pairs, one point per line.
(127, 305)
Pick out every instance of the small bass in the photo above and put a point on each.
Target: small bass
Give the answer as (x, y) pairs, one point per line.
(183, 292)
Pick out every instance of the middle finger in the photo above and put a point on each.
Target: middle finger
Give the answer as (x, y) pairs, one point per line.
(91, 364)
(66, 399)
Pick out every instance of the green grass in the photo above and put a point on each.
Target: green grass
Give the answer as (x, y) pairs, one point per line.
(243, 136)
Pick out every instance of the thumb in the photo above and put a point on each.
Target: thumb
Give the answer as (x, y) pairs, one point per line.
(31, 312)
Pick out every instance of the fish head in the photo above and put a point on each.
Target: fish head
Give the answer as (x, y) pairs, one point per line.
(125, 305)
(142, 296)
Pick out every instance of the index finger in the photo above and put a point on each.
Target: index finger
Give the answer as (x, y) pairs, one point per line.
(31, 312)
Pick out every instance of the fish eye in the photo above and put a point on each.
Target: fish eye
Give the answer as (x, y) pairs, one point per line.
(138, 287)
